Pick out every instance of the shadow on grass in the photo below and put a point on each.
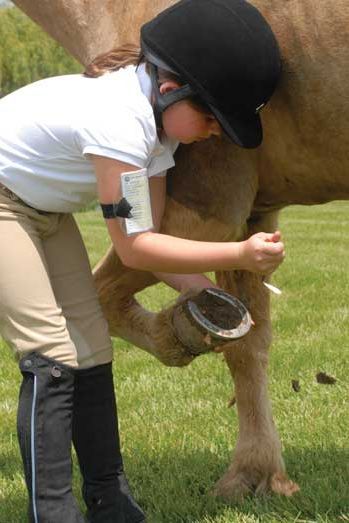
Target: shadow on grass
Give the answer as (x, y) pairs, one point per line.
(13, 506)
(173, 487)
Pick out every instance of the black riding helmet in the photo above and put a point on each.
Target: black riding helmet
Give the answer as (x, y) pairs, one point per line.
(226, 54)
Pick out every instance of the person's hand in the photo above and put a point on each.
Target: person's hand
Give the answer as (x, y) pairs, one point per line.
(262, 253)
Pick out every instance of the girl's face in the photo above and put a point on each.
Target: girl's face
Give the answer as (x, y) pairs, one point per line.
(185, 122)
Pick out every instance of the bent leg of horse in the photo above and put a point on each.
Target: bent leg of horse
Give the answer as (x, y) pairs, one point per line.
(152, 332)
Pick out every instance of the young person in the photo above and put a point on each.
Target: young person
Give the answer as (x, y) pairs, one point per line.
(206, 67)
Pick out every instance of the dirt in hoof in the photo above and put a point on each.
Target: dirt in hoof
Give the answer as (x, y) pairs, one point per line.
(325, 379)
(296, 385)
(218, 311)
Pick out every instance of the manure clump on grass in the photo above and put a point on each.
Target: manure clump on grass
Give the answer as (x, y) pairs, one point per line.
(296, 385)
(325, 379)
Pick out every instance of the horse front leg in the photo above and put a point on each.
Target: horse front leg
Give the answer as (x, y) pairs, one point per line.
(257, 465)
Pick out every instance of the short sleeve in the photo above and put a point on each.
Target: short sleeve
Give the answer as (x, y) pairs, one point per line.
(159, 164)
(121, 135)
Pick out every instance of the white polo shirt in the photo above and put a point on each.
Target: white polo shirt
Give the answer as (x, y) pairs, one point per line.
(48, 129)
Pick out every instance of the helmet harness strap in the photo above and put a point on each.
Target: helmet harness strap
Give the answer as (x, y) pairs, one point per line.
(163, 101)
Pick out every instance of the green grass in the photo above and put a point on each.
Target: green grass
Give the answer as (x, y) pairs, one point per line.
(177, 432)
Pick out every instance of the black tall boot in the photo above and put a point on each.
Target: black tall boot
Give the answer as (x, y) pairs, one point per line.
(96, 441)
(44, 433)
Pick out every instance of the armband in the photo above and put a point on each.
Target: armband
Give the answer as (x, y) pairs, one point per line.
(136, 196)
(116, 210)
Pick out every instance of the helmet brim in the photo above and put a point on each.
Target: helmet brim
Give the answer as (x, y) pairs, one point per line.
(245, 131)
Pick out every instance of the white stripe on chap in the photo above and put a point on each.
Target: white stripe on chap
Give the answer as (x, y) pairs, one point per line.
(32, 445)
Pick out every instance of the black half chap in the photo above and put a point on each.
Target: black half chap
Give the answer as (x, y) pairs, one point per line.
(44, 432)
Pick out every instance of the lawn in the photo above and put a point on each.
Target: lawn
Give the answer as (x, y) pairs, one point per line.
(177, 432)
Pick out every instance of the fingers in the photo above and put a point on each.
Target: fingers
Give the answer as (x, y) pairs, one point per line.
(271, 237)
(264, 252)
(275, 237)
(273, 246)
(273, 249)
(273, 256)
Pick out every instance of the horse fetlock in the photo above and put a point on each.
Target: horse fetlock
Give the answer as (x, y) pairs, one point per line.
(257, 470)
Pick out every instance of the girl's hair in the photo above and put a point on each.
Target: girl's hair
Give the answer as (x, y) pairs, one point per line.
(128, 54)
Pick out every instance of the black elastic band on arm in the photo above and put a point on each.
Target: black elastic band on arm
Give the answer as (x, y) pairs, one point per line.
(116, 210)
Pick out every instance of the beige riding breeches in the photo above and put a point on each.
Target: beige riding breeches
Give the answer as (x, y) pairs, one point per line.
(48, 302)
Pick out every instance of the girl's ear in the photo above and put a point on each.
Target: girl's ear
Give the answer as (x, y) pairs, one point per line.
(168, 85)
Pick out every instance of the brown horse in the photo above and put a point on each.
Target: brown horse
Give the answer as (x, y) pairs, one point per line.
(219, 192)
